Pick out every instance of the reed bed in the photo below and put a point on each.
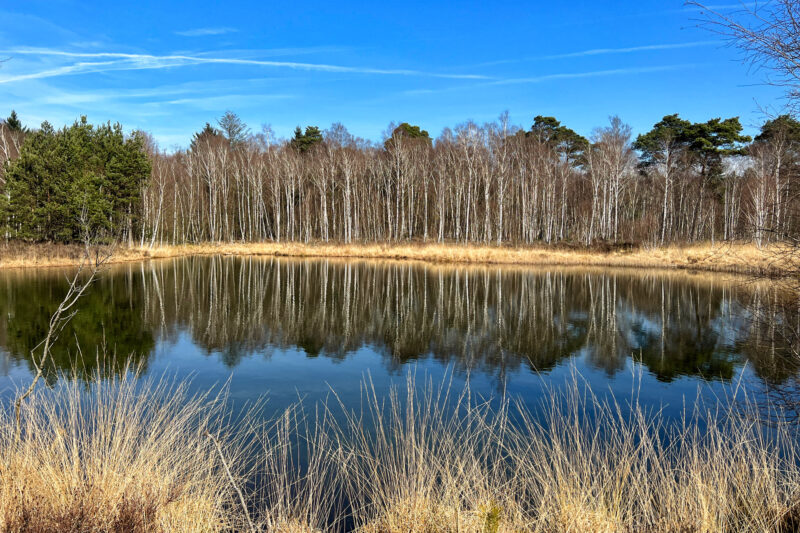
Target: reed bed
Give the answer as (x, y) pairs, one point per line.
(427, 457)
(729, 257)
(120, 456)
(436, 459)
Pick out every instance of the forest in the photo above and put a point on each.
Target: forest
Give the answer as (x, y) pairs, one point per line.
(680, 182)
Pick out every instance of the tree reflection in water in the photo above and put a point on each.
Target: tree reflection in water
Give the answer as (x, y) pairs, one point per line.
(493, 320)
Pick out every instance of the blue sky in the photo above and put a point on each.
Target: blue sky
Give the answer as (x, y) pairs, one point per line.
(169, 67)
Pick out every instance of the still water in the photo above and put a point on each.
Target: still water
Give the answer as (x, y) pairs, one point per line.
(289, 329)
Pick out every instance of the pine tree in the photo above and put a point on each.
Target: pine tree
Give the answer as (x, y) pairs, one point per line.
(784, 125)
(207, 135)
(305, 141)
(76, 179)
(234, 128)
(13, 123)
(566, 141)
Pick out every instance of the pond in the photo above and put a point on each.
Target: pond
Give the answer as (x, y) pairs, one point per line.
(296, 329)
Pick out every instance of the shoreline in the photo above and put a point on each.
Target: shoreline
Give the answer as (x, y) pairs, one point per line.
(722, 258)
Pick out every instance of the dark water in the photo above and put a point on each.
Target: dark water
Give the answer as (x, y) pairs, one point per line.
(295, 329)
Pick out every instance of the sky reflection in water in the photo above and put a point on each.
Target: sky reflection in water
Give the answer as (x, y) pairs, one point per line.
(293, 329)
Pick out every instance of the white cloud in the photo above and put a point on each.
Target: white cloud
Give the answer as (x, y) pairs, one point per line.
(77, 68)
(606, 51)
(226, 100)
(128, 61)
(37, 94)
(720, 7)
(645, 48)
(203, 32)
(592, 74)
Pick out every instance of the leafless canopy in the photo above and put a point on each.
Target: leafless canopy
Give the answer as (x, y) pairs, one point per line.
(768, 34)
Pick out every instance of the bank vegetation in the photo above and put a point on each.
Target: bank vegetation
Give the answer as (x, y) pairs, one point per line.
(121, 455)
(774, 260)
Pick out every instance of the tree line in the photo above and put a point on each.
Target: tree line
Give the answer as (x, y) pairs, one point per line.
(475, 183)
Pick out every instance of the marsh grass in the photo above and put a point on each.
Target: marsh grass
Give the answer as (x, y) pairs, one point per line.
(744, 258)
(119, 455)
(579, 462)
(426, 457)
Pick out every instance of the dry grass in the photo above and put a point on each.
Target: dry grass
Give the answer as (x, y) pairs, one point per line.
(424, 459)
(435, 459)
(734, 258)
(19, 255)
(120, 456)
(439, 463)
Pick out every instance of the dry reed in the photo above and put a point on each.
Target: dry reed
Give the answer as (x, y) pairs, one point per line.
(733, 258)
(437, 459)
(117, 456)
(427, 458)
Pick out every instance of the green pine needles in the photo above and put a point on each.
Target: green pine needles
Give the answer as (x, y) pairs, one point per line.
(79, 180)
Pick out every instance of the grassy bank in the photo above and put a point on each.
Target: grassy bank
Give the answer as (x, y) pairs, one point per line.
(734, 258)
(116, 458)
(429, 458)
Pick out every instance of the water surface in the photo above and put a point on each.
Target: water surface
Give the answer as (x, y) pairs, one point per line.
(292, 329)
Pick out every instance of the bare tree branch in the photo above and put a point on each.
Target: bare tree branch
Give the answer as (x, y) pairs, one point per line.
(767, 33)
(84, 276)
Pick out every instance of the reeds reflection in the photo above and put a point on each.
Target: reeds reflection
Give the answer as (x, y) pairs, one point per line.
(492, 320)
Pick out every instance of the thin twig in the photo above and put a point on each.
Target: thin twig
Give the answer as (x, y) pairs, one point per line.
(62, 315)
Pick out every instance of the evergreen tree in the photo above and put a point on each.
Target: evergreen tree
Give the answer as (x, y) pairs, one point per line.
(568, 143)
(305, 141)
(207, 135)
(76, 179)
(407, 131)
(233, 128)
(784, 125)
(13, 123)
(705, 142)
(670, 130)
